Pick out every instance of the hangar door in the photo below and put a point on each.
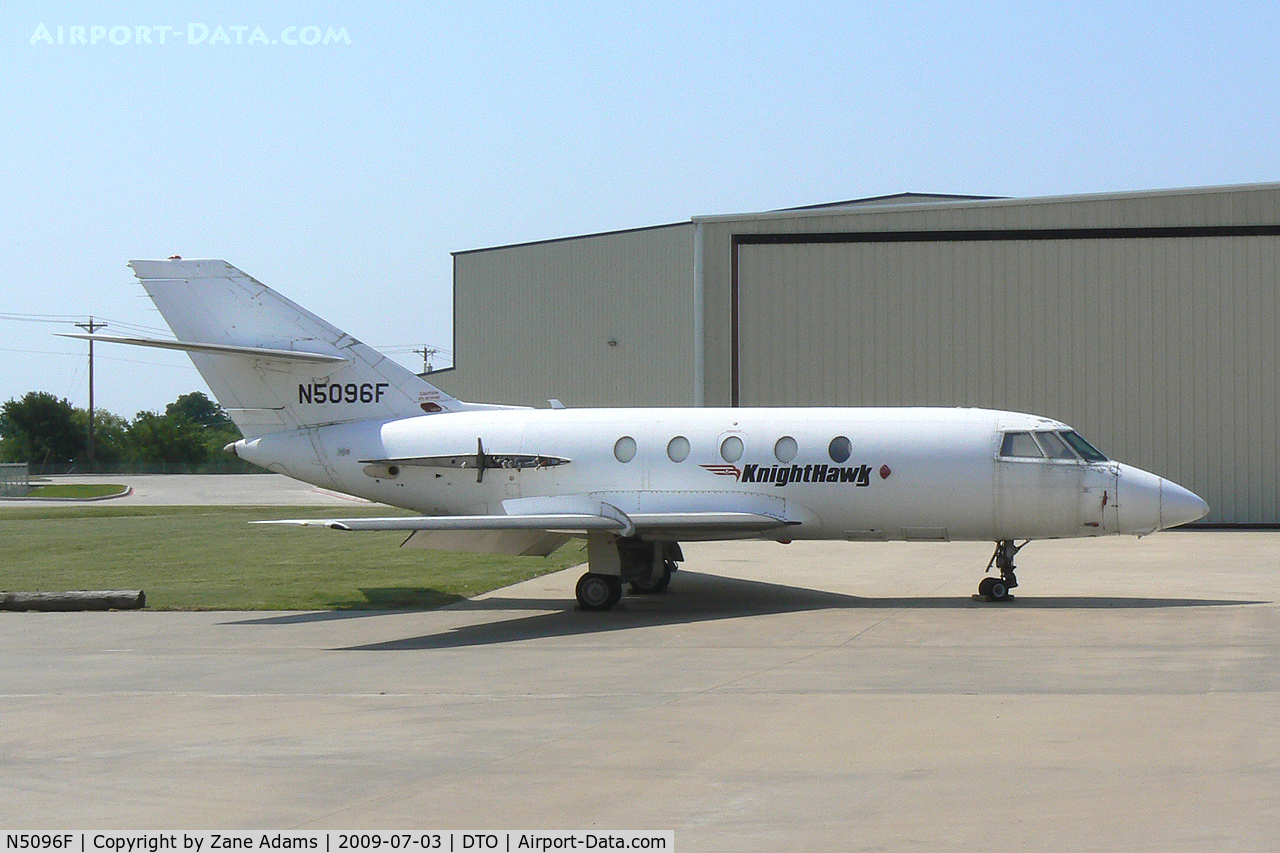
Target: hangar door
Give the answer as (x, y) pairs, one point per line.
(1158, 344)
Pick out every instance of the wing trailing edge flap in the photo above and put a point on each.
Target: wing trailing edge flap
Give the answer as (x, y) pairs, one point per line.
(511, 543)
(705, 515)
(531, 527)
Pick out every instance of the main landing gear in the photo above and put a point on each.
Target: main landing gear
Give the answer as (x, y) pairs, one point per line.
(653, 583)
(645, 567)
(598, 591)
(997, 589)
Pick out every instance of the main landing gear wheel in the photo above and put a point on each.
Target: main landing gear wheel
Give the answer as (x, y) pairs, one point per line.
(598, 592)
(654, 585)
(997, 589)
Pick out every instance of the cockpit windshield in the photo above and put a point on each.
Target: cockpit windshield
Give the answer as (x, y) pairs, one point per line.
(1020, 445)
(1049, 444)
(1054, 447)
(1086, 450)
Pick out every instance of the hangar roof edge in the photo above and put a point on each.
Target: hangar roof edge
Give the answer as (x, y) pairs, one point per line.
(572, 237)
(898, 201)
(894, 199)
(935, 201)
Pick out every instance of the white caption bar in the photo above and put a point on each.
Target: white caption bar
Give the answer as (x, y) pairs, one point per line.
(336, 841)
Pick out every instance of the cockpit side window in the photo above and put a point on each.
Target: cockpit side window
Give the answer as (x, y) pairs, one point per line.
(1084, 448)
(1055, 447)
(1020, 445)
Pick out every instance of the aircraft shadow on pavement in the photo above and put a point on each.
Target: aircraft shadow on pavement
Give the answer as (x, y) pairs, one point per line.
(378, 601)
(695, 597)
(318, 616)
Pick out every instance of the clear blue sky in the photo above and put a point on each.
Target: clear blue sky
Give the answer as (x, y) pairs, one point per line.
(344, 174)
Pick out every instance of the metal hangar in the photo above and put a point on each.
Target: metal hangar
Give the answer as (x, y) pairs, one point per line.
(1147, 320)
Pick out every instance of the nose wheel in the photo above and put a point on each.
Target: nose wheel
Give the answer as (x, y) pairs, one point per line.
(997, 589)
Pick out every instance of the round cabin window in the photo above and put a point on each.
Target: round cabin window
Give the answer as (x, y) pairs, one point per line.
(678, 449)
(731, 449)
(624, 450)
(840, 449)
(786, 448)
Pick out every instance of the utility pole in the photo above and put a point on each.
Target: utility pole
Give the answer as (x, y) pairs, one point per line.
(426, 352)
(91, 327)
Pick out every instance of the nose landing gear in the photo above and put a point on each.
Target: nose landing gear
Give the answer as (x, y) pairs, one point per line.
(997, 589)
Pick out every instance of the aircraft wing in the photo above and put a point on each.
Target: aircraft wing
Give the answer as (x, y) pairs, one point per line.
(567, 522)
(537, 526)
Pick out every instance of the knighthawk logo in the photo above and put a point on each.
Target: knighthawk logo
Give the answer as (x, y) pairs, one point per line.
(780, 475)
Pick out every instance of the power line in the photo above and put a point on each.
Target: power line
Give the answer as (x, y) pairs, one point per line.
(403, 349)
(59, 319)
(35, 351)
(111, 358)
(63, 319)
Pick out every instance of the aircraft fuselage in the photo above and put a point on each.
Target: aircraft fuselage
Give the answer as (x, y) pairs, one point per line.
(834, 473)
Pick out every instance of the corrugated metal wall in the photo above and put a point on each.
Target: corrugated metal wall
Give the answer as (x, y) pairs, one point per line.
(534, 321)
(1161, 350)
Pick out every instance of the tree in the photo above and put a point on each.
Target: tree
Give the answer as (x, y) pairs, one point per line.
(199, 409)
(192, 430)
(161, 438)
(110, 435)
(219, 429)
(46, 431)
(41, 429)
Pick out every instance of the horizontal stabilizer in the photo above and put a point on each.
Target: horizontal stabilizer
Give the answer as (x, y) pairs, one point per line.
(265, 353)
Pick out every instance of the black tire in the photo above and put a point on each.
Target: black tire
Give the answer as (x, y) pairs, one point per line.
(984, 587)
(999, 591)
(598, 592)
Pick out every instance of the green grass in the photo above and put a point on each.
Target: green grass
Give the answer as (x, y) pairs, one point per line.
(80, 491)
(211, 558)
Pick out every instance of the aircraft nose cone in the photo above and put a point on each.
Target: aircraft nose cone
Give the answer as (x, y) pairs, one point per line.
(1149, 502)
(1179, 505)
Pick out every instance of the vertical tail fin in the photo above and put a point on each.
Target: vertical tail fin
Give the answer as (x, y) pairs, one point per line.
(272, 364)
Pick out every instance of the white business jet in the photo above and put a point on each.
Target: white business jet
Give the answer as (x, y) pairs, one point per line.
(317, 405)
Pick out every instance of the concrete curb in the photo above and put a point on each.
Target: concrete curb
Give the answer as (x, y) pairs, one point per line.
(128, 490)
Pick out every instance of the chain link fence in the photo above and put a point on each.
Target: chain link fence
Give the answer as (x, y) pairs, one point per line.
(14, 480)
(230, 465)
